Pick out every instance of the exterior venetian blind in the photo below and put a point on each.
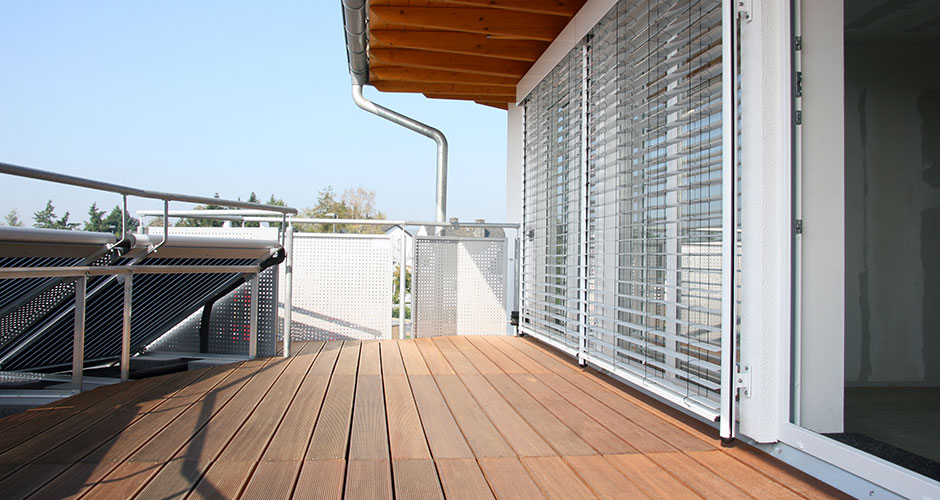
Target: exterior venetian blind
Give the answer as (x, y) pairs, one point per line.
(550, 228)
(650, 230)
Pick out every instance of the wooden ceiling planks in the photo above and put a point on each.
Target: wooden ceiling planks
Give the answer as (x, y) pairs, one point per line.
(473, 50)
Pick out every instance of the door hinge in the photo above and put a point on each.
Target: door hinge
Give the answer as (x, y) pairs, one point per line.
(798, 226)
(742, 380)
(799, 117)
(744, 9)
(798, 43)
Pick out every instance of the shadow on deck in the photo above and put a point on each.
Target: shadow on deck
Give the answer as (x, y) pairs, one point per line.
(451, 417)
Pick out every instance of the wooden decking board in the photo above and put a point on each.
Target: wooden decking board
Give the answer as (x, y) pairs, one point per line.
(380, 420)
(253, 437)
(696, 477)
(273, 480)
(416, 480)
(462, 479)
(458, 362)
(174, 480)
(502, 361)
(35, 435)
(196, 456)
(369, 437)
(164, 445)
(657, 418)
(56, 411)
(556, 479)
(209, 441)
(791, 478)
(520, 435)
(582, 424)
(321, 479)
(606, 480)
(558, 435)
(123, 482)
(479, 361)
(292, 437)
(331, 433)
(405, 433)
(104, 430)
(130, 439)
(93, 467)
(433, 357)
(368, 479)
(651, 478)
(369, 361)
(482, 436)
(222, 480)
(509, 479)
(411, 356)
(443, 434)
(391, 358)
(639, 438)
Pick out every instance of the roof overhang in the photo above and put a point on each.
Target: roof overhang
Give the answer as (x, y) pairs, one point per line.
(475, 50)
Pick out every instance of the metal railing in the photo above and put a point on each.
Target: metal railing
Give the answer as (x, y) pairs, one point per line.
(82, 273)
(287, 237)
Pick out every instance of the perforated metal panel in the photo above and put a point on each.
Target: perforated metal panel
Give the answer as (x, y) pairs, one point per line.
(459, 286)
(228, 327)
(342, 287)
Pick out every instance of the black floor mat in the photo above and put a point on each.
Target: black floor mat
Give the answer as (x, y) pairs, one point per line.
(893, 454)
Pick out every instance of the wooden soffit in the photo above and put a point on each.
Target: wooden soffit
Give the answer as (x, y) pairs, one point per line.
(474, 50)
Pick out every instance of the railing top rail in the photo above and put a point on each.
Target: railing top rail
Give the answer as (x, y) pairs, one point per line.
(250, 216)
(43, 175)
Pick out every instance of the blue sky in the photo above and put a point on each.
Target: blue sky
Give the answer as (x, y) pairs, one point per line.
(221, 96)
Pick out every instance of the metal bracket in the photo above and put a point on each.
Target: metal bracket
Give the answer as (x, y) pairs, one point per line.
(744, 9)
(798, 226)
(742, 380)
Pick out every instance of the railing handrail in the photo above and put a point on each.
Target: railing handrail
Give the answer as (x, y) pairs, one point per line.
(250, 216)
(43, 175)
(77, 271)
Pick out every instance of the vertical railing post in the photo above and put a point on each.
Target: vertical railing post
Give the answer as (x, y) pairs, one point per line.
(126, 332)
(402, 279)
(78, 339)
(253, 317)
(288, 283)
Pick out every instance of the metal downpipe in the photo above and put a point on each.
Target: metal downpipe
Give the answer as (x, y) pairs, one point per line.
(425, 130)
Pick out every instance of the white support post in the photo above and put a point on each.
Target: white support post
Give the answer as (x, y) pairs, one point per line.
(78, 339)
(727, 428)
(126, 332)
(253, 318)
(288, 284)
(402, 279)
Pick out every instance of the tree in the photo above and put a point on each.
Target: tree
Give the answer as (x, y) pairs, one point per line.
(395, 283)
(95, 220)
(186, 222)
(112, 222)
(13, 219)
(356, 203)
(47, 219)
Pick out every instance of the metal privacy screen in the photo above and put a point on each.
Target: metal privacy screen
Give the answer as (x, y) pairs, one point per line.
(459, 286)
(342, 287)
(623, 210)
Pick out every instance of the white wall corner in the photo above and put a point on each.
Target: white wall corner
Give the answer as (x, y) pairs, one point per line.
(766, 213)
(514, 157)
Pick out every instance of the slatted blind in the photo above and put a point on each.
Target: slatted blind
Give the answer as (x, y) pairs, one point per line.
(652, 295)
(550, 233)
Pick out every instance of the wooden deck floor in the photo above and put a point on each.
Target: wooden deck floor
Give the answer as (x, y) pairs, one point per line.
(452, 417)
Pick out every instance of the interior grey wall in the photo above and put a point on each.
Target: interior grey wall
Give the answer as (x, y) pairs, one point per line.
(892, 213)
